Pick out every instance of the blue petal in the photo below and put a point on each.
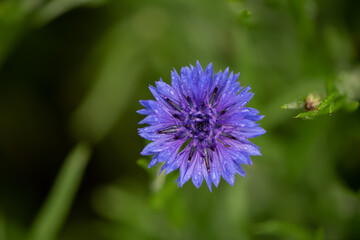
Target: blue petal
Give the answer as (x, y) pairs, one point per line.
(189, 172)
(150, 132)
(228, 166)
(209, 72)
(230, 169)
(197, 177)
(176, 84)
(220, 81)
(237, 156)
(194, 83)
(160, 99)
(238, 123)
(215, 169)
(248, 132)
(237, 113)
(175, 165)
(239, 169)
(155, 119)
(167, 155)
(216, 80)
(166, 90)
(224, 78)
(225, 92)
(207, 178)
(231, 89)
(254, 118)
(155, 93)
(204, 83)
(186, 83)
(157, 146)
(238, 101)
(243, 158)
(244, 98)
(155, 107)
(248, 110)
(250, 149)
(144, 111)
(154, 160)
(183, 166)
(199, 68)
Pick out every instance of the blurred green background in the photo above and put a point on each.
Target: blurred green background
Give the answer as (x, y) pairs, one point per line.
(71, 75)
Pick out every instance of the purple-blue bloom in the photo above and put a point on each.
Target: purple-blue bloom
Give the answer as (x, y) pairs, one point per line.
(201, 125)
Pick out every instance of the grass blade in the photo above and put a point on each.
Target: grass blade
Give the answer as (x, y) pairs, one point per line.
(57, 205)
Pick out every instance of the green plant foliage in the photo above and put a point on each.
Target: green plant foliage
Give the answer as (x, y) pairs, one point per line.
(341, 95)
(54, 211)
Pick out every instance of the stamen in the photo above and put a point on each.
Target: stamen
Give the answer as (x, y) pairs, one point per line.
(180, 135)
(222, 112)
(170, 129)
(172, 104)
(228, 136)
(202, 106)
(192, 151)
(199, 116)
(189, 101)
(213, 95)
(179, 116)
(225, 145)
(211, 145)
(206, 159)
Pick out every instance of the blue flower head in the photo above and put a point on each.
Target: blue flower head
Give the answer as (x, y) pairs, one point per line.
(201, 125)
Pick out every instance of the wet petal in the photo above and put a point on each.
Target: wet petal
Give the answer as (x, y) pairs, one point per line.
(197, 176)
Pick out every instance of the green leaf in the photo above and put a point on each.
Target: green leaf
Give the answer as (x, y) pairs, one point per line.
(328, 105)
(330, 99)
(58, 203)
(342, 93)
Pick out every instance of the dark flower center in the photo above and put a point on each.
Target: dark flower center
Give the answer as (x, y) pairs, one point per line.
(201, 126)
